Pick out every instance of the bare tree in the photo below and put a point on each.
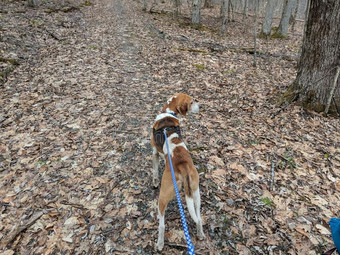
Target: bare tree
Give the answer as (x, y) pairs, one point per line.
(267, 23)
(224, 10)
(177, 5)
(32, 3)
(320, 59)
(245, 8)
(145, 6)
(282, 30)
(196, 13)
(230, 11)
(255, 30)
(208, 4)
(294, 14)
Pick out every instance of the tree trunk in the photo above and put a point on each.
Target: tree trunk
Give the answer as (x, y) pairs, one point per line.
(145, 6)
(282, 31)
(245, 8)
(255, 30)
(230, 11)
(224, 10)
(177, 5)
(196, 13)
(32, 3)
(208, 4)
(267, 23)
(294, 15)
(320, 58)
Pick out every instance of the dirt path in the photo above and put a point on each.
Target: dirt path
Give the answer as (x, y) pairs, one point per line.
(82, 135)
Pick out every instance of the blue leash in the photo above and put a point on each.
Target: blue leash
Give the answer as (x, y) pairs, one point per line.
(181, 211)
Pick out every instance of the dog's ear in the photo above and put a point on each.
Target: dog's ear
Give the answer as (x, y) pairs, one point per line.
(183, 108)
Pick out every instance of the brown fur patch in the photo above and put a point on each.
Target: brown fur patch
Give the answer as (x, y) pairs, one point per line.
(180, 104)
(166, 122)
(176, 140)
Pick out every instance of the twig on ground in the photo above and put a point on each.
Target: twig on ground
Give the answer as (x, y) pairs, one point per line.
(183, 246)
(53, 35)
(272, 176)
(13, 234)
(64, 202)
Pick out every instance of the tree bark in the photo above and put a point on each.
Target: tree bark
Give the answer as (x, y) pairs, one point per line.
(282, 31)
(320, 58)
(196, 13)
(267, 23)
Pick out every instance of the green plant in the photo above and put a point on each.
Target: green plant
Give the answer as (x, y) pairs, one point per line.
(199, 67)
(266, 201)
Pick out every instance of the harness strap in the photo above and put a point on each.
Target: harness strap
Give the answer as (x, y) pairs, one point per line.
(159, 134)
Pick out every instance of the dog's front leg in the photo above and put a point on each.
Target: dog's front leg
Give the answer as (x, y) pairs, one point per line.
(155, 165)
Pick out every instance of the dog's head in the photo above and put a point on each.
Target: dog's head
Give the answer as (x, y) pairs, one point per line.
(181, 103)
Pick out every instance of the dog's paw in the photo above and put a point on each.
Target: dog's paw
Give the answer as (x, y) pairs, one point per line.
(201, 236)
(155, 183)
(159, 246)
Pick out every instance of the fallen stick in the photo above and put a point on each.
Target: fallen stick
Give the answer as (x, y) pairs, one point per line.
(332, 89)
(14, 233)
(184, 246)
(272, 176)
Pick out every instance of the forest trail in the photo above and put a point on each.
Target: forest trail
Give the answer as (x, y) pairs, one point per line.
(74, 142)
(89, 130)
(86, 115)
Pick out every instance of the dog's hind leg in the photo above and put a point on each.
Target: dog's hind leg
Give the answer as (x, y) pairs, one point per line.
(191, 208)
(155, 166)
(197, 202)
(167, 193)
(161, 229)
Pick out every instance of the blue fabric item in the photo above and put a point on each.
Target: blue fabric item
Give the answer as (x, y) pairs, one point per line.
(181, 211)
(335, 229)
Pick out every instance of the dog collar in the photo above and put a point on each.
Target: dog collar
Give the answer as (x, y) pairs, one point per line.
(171, 112)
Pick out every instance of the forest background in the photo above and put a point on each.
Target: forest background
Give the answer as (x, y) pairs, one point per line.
(81, 83)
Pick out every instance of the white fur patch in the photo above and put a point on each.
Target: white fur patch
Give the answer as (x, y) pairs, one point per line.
(191, 208)
(172, 146)
(161, 228)
(170, 99)
(164, 115)
(167, 110)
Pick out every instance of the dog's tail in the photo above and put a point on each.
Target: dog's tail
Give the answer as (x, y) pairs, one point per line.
(190, 183)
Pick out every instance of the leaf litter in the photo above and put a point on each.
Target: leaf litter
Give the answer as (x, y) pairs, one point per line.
(76, 115)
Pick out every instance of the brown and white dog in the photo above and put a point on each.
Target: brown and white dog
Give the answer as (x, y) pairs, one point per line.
(185, 171)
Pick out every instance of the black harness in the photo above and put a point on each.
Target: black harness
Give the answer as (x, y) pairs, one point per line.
(159, 137)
